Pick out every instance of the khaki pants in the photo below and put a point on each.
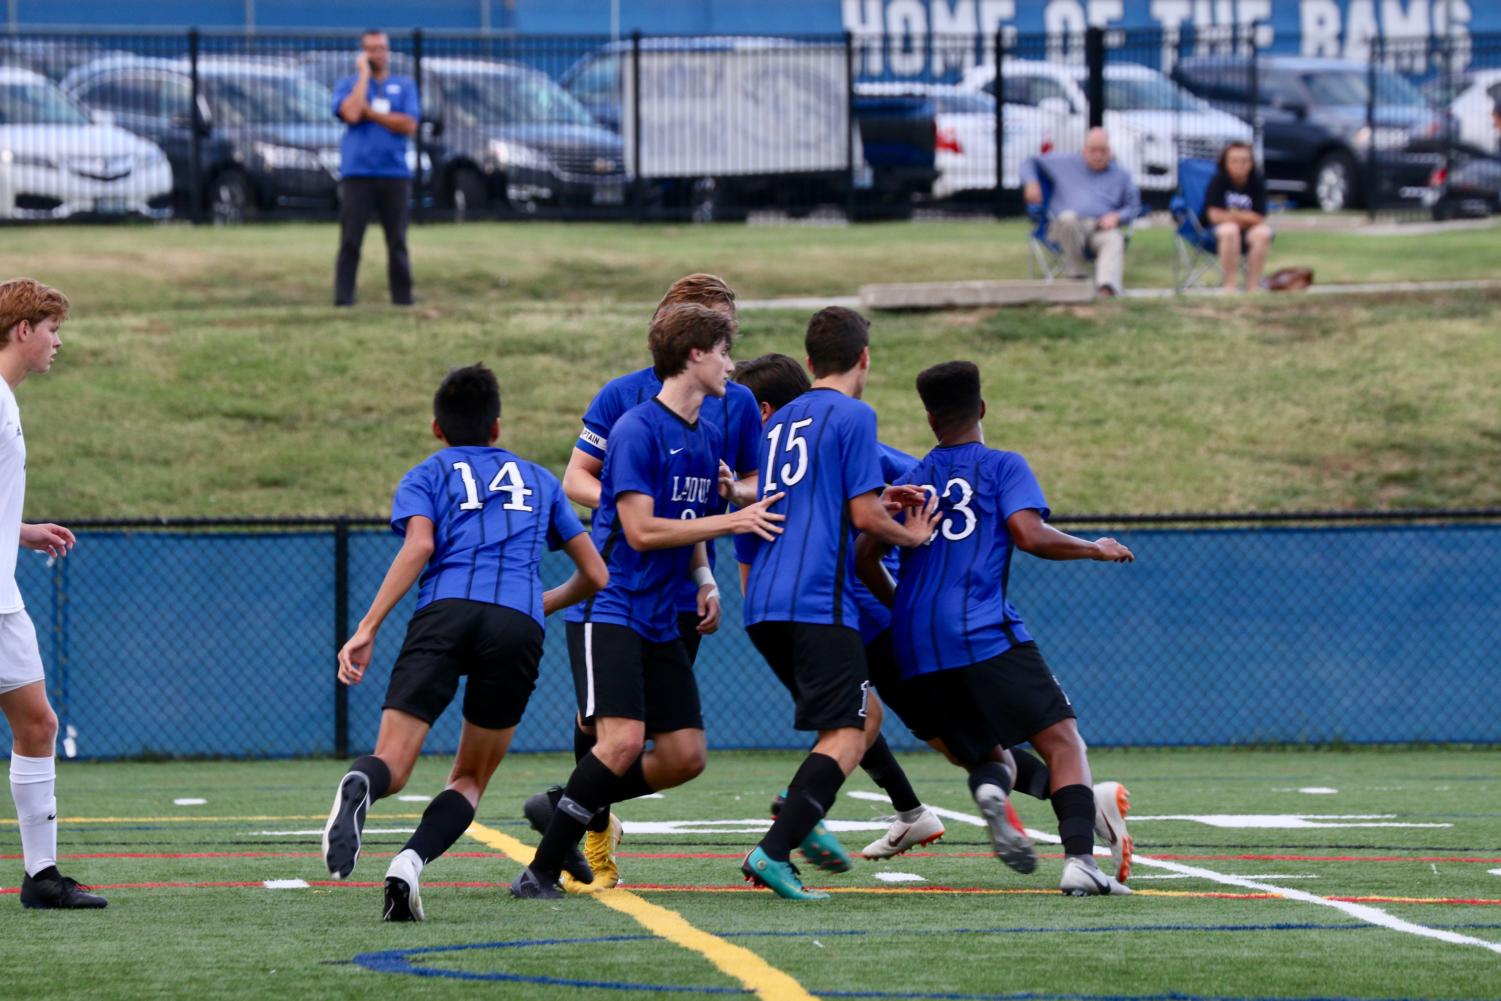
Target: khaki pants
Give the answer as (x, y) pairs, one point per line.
(1078, 236)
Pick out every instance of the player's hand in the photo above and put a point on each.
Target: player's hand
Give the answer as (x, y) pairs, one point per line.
(897, 499)
(755, 518)
(708, 609)
(54, 540)
(921, 519)
(362, 64)
(354, 657)
(726, 481)
(1110, 551)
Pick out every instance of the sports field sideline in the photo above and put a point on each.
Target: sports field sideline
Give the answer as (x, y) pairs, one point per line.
(1371, 874)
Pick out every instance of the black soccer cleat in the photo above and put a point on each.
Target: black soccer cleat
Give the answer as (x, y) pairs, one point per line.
(538, 810)
(346, 819)
(531, 885)
(51, 890)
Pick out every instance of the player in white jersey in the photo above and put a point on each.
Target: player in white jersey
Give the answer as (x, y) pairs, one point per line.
(30, 314)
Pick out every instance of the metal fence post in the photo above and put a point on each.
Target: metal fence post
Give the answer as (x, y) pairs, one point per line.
(341, 633)
(1370, 183)
(1253, 90)
(638, 192)
(195, 130)
(850, 125)
(421, 183)
(1094, 60)
(1000, 121)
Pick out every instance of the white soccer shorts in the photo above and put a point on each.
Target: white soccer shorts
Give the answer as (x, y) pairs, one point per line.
(20, 659)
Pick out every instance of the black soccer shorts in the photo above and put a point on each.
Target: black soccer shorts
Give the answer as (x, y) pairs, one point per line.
(1017, 694)
(822, 666)
(919, 714)
(618, 673)
(498, 648)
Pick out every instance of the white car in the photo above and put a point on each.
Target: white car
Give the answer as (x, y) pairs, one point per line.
(964, 150)
(1472, 109)
(1153, 123)
(56, 161)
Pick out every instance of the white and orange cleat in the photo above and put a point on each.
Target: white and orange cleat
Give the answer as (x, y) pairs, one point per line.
(904, 835)
(1111, 804)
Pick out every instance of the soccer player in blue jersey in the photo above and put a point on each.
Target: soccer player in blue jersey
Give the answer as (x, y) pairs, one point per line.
(475, 519)
(632, 674)
(962, 644)
(734, 415)
(776, 380)
(820, 450)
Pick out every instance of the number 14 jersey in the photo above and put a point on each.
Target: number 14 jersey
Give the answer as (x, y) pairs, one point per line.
(951, 608)
(821, 450)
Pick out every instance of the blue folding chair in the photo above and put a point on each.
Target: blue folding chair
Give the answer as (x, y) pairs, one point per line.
(1198, 252)
(1046, 256)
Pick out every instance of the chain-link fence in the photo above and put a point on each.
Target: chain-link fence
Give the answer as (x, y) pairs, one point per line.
(227, 127)
(218, 638)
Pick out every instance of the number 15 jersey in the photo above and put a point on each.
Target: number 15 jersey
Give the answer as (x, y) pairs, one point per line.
(821, 450)
(951, 608)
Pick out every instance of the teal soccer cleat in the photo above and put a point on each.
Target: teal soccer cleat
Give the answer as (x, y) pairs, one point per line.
(824, 851)
(779, 877)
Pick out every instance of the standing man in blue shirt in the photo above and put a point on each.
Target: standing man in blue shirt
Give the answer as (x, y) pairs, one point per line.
(1093, 200)
(474, 519)
(960, 642)
(820, 451)
(381, 110)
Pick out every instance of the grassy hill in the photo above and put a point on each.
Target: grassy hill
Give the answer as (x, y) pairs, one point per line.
(203, 372)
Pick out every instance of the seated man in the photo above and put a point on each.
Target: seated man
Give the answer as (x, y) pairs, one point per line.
(1235, 209)
(1093, 197)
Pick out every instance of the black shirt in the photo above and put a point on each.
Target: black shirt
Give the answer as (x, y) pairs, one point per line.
(1224, 195)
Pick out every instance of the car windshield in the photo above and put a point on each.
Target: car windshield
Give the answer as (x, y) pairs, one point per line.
(1148, 93)
(267, 99)
(964, 104)
(38, 104)
(510, 99)
(1349, 88)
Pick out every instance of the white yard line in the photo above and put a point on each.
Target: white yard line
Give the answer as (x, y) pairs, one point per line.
(1362, 912)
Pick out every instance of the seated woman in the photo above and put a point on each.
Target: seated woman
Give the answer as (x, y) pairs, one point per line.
(1235, 208)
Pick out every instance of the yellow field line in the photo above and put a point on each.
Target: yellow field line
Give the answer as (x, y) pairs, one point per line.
(760, 977)
(10, 821)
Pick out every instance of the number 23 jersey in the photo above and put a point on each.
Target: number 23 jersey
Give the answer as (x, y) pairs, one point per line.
(820, 449)
(951, 608)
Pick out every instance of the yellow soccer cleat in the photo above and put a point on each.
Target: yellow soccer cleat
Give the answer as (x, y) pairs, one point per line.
(599, 850)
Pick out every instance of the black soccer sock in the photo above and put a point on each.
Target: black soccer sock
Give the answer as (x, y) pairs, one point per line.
(588, 792)
(989, 773)
(632, 783)
(809, 796)
(583, 742)
(885, 771)
(1074, 806)
(376, 772)
(1032, 775)
(444, 821)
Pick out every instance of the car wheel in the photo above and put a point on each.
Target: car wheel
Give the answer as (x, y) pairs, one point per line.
(230, 200)
(1335, 182)
(467, 192)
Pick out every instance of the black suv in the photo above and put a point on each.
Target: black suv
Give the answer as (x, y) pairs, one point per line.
(1316, 142)
(267, 136)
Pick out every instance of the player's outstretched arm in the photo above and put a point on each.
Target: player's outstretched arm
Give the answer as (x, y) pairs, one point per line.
(54, 540)
(869, 515)
(740, 492)
(873, 573)
(645, 531)
(1033, 535)
(581, 479)
(589, 577)
(415, 551)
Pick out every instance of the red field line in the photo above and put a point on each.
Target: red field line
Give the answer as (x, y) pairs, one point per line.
(1175, 858)
(209, 855)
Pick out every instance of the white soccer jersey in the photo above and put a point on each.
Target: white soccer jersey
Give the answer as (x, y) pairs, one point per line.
(12, 497)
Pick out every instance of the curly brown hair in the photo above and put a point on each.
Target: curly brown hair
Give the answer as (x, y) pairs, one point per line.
(26, 300)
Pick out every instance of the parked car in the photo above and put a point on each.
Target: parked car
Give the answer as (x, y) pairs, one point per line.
(1470, 96)
(1153, 123)
(1467, 186)
(267, 138)
(512, 138)
(732, 124)
(964, 145)
(53, 58)
(1316, 141)
(57, 162)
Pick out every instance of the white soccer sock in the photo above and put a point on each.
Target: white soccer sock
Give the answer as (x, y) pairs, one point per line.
(33, 784)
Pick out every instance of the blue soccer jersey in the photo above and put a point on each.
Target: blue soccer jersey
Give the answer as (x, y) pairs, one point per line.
(875, 618)
(736, 415)
(820, 450)
(492, 513)
(951, 608)
(675, 463)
